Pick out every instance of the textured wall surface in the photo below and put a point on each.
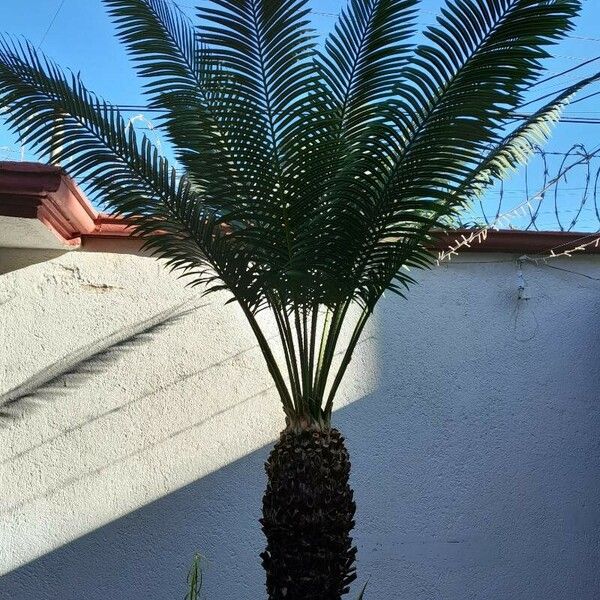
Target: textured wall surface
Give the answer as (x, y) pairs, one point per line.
(141, 415)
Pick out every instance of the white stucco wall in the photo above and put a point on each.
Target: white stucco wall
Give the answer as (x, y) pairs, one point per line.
(473, 420)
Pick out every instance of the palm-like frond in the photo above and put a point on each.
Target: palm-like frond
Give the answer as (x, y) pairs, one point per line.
(518, 146)
(92, 138)
(363, 61)
(265, 48)
(180, 79)
(311, 176)
(60, 116)
(457, 91)
(361, 64)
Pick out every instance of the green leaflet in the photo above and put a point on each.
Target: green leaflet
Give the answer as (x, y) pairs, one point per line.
(310, 179)
(194, 579)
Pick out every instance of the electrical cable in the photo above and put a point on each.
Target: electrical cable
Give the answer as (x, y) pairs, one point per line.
(514, 116)
(55, 16)
(567, 71)
(571, 272)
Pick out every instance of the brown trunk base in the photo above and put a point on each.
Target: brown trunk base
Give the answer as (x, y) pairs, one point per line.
(308, 513)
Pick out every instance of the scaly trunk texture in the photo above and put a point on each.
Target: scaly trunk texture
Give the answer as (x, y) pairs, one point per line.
(308, 513)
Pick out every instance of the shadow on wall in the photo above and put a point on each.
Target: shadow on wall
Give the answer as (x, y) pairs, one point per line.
(475, 465)
(510, 523)
(82, 365)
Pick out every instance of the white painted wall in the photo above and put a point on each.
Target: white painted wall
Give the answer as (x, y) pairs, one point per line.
(473, 419)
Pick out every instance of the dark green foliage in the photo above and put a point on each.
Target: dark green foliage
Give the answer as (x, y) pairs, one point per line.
(311, 179)
(308, 513)
(311, 176)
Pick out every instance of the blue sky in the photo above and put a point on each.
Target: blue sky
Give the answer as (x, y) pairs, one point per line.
(82, 39)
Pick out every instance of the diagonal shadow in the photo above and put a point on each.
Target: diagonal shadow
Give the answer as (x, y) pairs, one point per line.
(145, 554)
(86, 362)
(413, 540)
(139, 452)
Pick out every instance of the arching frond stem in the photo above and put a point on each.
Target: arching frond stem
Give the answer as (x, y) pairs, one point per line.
(346, 359)
(272, 365)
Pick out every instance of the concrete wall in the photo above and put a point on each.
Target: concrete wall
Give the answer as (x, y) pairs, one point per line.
(472, 418)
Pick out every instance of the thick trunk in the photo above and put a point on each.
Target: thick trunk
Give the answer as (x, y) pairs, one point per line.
(308, 513)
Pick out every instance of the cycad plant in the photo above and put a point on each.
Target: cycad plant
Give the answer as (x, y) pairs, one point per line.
(310, 177)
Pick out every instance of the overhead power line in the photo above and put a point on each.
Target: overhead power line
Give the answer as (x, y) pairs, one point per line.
(553, 94)
(54, 17)
(567, 71)
(582, 63)
(585, 97)
(515, 116)
(585, 38)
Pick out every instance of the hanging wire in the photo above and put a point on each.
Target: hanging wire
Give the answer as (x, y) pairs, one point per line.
(52, 21)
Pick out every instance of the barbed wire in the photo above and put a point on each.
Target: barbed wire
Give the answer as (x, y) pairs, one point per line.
(573, 200)
(504, 219)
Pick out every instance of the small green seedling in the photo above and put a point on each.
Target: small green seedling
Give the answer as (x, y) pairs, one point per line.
(362, 593)
(195, 579)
